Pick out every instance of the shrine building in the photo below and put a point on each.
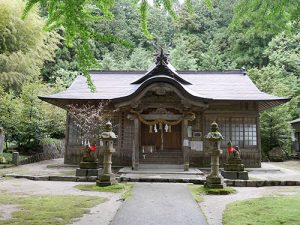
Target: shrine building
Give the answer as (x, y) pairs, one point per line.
(163, 115)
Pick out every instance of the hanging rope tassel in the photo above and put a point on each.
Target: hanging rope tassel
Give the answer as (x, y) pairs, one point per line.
(155, 128)
(150, 129)
(166, 128)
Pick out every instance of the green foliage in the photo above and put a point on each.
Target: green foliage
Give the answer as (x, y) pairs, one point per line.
(254, 25)
(275, 128)
(55, 210)
(267, 210)
(181, 57)
(24, 46)
(26, 119)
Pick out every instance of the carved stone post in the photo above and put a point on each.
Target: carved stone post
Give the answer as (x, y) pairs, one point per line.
(107, 177)
(214, 179)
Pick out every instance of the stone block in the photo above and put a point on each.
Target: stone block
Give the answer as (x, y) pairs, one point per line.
(81, 172)
(81, 179)
(41, 178)
(62, 178)
(88, 165)
(233, 167)
(290, 183)
(260, 183)
(15, 158)
(106, 180)
(209, 185)
(230, 174)
(93, 172)
(251, 183)
(235, 175)
(242, 175)
(240, 183)
(230, 182)
(91, 179)
(87, 172)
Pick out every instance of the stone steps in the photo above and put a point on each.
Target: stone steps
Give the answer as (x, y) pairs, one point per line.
(170, 157)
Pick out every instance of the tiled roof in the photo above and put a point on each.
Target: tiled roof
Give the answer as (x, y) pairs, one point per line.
(295, 121)
(232, 85)
(227, 85)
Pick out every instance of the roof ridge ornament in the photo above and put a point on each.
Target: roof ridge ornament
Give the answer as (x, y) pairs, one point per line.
(161, 57)
(161, 67)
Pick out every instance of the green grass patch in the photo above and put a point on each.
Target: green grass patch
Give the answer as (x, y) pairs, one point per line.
(8, 157)
(198, 190)
(40, 210)
(124, 188)
(264, 211)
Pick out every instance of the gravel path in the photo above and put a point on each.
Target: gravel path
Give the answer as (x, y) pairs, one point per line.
(102, 214)
(160, 204)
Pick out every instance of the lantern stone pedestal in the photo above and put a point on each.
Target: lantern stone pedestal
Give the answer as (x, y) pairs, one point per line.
(234, 168)
(107, 178)
(214, 179)
(89, 165)
(88, 169)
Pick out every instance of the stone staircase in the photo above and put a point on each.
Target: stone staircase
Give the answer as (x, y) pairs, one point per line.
(163, 157)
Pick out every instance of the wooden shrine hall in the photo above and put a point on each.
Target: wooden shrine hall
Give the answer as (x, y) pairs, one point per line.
(163, 115)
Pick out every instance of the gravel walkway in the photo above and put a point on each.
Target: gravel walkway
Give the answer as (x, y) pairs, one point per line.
(160, 204)
(102, 214)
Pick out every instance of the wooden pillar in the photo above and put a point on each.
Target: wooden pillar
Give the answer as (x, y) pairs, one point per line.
(66, 156)
(136, 144)
(258, 139)
(185, 145)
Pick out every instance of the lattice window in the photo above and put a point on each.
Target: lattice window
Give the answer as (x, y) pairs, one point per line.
(237, 131)
(250, 132)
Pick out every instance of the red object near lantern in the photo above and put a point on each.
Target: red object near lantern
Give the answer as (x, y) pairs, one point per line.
(230, 150)
(93, 148)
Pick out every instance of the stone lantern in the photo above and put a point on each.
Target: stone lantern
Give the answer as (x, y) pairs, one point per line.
(108, 136)
(214, 179)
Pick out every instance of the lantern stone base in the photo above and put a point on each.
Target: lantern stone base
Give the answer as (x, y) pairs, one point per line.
(214, 182)
(87, 172)
(235, 175)
(106, 180)
(233, 167)
(88, 165)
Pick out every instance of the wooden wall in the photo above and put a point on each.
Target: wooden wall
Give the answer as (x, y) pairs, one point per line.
(125, 130)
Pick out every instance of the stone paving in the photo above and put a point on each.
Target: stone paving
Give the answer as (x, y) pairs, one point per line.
(160, 204)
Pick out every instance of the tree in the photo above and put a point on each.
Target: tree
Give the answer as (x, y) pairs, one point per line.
(24, 46)
(77, 19)
(89, 120)
(254, 25)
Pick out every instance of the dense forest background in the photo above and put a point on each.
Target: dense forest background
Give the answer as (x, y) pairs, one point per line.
(228, 35)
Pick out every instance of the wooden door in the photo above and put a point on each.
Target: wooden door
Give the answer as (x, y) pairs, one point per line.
(171, 140)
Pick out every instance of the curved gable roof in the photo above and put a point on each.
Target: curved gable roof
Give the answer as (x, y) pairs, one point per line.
(233, 85)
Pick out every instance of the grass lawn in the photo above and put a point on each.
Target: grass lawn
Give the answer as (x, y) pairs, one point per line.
(40, 210)
(198, 190)
(124, 188)
(264, 211)
(8, 156)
